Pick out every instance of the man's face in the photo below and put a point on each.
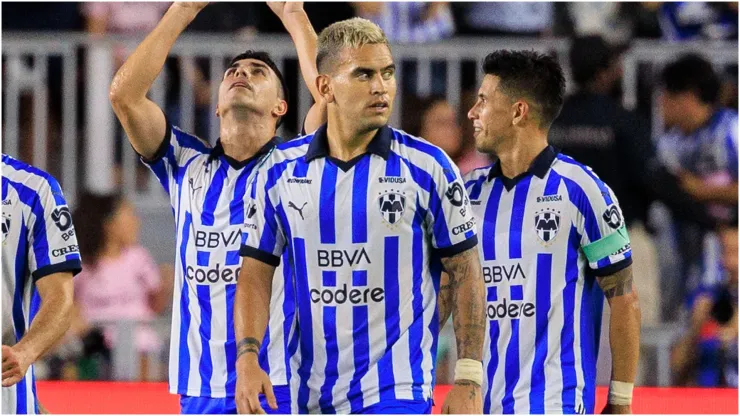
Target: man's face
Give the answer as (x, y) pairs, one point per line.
(250, 84)
(440, 127)
(676, 107)
(363, 86)
(492, 116)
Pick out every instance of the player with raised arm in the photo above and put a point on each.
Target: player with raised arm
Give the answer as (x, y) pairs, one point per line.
(40, 257)
(369, 216)
(206, 186)
(550, 230)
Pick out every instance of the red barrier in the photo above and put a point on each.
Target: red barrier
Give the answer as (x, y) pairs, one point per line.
(138, 398)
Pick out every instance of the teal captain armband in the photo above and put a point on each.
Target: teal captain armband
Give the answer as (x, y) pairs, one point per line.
(607, 246)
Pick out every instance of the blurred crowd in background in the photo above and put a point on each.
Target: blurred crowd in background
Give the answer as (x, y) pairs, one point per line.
(685, 270)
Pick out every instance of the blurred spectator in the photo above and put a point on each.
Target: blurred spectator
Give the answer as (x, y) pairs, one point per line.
(607, 19)
(700, 146)
(122, 17)
(595, 129)
(706, 355)
(680, 21)
(433, 119)
(240, 18)
(409, 22)
(120, 280)
(505, 18)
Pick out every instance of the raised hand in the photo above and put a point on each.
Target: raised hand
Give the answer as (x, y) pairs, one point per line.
(285, 8)
(195, 6)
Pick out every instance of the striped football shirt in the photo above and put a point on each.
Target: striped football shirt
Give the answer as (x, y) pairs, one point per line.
(545, 235)
(364, 239)
(38, 240)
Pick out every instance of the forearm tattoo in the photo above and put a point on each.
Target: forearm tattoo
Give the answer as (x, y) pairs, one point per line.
(468, 302)
(247, 345)
(617, 284)
(443, 300)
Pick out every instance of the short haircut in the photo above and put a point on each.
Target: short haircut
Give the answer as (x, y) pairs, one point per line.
(589, 55)
(351, 33)
(534, 76)
(692, 73)
(263, 56)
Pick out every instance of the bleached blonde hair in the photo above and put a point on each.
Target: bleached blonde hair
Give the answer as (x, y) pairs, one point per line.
(351, 33)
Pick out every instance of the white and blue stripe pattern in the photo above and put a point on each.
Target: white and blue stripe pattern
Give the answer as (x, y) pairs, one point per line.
(405, 22)
(366, 280)
(543, 304)
(206, 190)
(38, 240)
(711, 154)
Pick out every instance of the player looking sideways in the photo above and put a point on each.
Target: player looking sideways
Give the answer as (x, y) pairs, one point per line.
(550, 229)
(206, 186)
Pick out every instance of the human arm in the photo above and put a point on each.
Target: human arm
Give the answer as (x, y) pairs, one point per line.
(468, 304)
(624, 332)
(444, 300)
(296, 22)
(49, 325)
(251, 315)
(708, 192)
(683, 352)
(143, 121)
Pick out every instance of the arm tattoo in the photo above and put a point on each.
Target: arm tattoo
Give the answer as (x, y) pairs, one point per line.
(443, 300)
(468, 302)
(617, 284)
(248, 345)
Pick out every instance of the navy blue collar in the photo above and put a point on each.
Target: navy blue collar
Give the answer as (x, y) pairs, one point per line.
(218, 150)
(379, 145)
(539, 167)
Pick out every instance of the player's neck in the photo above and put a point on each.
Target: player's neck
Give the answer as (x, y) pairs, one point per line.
(242, 136)
(517, 155)
(344, 142)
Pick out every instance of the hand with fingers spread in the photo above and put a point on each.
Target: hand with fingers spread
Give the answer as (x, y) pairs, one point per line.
(251, 380)
(15, 365)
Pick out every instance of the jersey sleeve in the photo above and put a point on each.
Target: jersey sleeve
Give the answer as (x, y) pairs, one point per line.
(262, 233)
(600, 223)
(52, 242)
(176, 149)
(731, 149)
(452, 225)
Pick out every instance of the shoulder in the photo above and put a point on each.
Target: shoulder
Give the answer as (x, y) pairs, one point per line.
(583, 177)
(32, 177)
(188, 140)
(476, 175)
(420, 152)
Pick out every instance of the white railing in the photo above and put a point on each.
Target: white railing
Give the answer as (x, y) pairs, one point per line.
(26, 72)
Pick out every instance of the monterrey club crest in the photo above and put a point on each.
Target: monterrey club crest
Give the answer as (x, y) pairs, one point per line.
(547, 224)
(392, 205)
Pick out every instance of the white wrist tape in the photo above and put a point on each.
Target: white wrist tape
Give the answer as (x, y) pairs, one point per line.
(620, 393)
(471, 370)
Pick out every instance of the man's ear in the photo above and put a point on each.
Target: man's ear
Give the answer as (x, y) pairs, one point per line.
(323, 84)
(280, 109)
(218, 112)
(520, 110)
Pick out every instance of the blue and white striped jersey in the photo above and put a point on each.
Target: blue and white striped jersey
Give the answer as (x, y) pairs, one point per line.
(711, 154)
(206, 190)
(364, 239)
(38, 240)
(545, 235)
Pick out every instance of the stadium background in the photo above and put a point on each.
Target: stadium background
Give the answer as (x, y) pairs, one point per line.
(58, 60)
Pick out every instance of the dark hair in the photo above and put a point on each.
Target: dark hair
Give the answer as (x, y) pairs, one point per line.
(535, 76)
(265, 57)
(589, 55)
(89, 218)
(692, 73)
(416, 109)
